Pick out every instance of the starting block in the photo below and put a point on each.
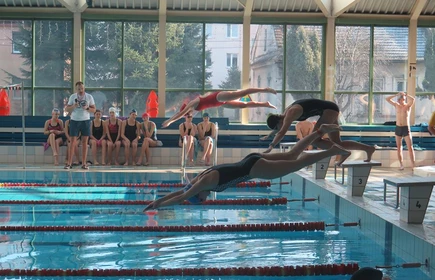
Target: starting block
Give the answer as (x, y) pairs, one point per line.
(286, 145)
(320, 168)
(357, 175)
(414, 197)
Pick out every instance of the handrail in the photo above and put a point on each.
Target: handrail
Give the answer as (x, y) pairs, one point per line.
(183, 153)
(215, 145)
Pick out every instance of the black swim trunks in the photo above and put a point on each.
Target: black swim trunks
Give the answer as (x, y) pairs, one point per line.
(402, 131)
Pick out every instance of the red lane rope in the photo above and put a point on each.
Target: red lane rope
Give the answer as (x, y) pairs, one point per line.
(308, 226)
(249, 184)
(302, 270)
(250, 201)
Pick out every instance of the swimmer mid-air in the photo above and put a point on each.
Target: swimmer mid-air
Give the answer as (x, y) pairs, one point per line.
(263, 166)
(305, 108)
(227, 99)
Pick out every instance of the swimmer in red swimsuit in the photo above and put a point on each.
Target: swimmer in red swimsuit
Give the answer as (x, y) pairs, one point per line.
(228, 99)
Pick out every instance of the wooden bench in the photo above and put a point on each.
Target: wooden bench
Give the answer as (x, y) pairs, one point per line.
(414, 196)
(357, 175)
(320, 168)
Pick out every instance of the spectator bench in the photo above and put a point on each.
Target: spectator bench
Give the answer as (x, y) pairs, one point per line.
(230, 135)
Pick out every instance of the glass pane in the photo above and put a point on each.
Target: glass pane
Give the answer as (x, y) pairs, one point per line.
(425, 60)
(353, 107)
(140, 54)
(15, 52)
(103, 56)
(384, 111)
(424, 107)
(106, 99)
(304, 57)
(269, 49)
(390, 58)
(226, 56)
(53, 53)
(184, 55)
(352, 50)
(47, 99)
(137, 100)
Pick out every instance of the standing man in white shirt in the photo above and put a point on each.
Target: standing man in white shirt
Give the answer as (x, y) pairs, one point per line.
(80, 105)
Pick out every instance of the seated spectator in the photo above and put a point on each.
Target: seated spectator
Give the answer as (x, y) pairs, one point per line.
(68, 139)
(188, 130)
(206, 136)
(130, 134)
(149, 132)
(56, 136)
(98, 138)
(113, 135)
(303, 129)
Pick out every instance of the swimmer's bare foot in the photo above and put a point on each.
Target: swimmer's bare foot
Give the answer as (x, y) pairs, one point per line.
(401, 167)
(271, 90)
(370, 152)
(344, 154)
(126, 163)
(270, 105)
(327, 128)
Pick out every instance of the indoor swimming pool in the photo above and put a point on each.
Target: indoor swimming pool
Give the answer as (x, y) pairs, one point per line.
(122, 250)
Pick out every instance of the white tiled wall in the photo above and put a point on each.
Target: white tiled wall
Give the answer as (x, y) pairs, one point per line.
(171, 156)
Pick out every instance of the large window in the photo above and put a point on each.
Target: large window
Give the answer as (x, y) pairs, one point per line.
(121, 63)
(425, 75)
(352, 64)
(140, 55)
(103, 54)
(303, 62)
(50, 63)
(266, 68)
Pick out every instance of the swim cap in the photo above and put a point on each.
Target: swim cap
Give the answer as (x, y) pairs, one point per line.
(367, 273)
(272, 121)
(145, 115)
(112, 109)
(194, 199)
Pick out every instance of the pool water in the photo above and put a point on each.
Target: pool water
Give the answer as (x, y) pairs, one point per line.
(162, 250)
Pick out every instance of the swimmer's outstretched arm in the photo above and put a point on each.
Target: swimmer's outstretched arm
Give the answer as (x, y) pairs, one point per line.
(156, 204)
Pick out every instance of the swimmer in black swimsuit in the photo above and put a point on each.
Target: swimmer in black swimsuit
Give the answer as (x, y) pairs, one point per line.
(305, 108)
(263, 166)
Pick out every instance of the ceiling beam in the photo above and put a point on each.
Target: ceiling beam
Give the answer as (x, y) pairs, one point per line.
(340, 6)
(325, 6)
(74, 6)
(248, 8)
(417, 8)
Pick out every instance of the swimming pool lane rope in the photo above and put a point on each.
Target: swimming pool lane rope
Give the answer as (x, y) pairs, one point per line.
(249, 184)
(300, 270)
(286, 227)
(247, 201)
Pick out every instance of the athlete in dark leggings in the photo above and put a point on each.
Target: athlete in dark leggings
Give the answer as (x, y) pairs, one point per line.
(303, 109)
(264, 166)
